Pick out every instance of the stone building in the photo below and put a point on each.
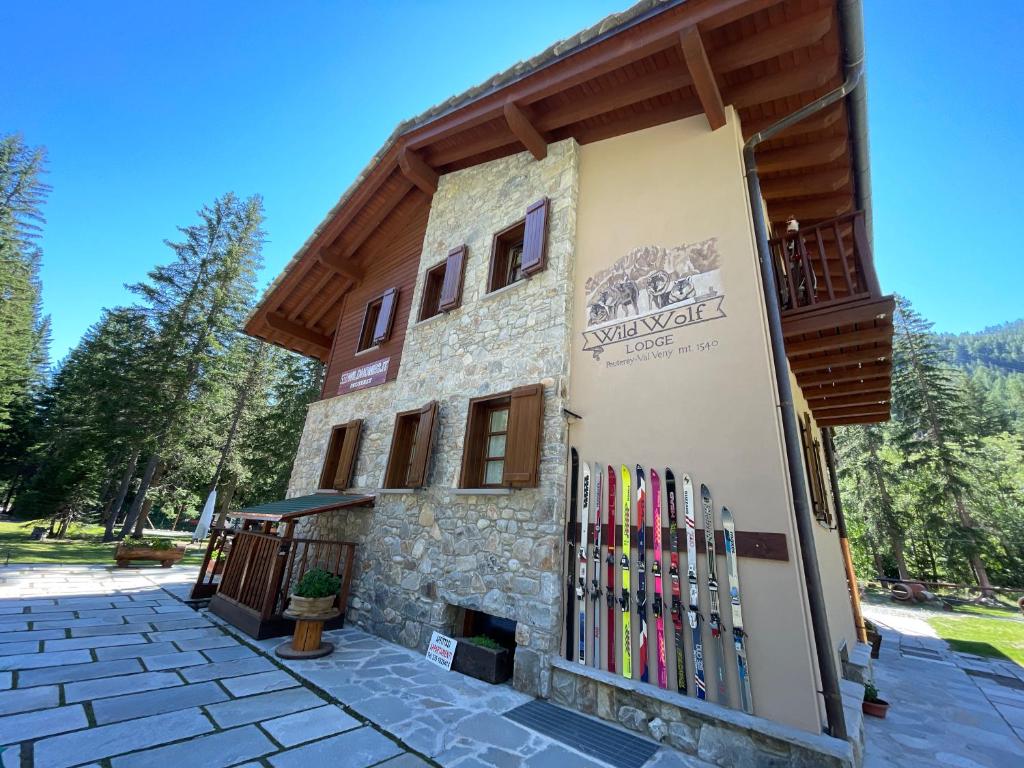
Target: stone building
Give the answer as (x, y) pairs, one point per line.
(607, 249)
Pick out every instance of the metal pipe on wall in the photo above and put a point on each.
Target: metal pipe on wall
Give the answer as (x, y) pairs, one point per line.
(850, 13)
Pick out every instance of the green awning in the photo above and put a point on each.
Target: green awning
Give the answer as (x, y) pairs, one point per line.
(300, 506)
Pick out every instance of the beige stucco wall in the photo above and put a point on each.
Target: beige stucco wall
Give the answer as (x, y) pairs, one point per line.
(711, 410)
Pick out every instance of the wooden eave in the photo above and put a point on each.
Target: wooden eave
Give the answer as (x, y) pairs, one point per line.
(652, 64)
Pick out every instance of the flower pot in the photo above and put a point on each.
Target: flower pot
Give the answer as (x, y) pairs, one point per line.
(311, 606)
(487, 664)
(876, 708)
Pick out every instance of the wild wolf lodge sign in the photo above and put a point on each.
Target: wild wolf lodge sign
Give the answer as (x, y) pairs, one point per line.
(651, 291)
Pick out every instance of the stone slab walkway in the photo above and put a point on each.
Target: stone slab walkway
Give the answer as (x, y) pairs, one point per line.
(101, 666)
(940, 716)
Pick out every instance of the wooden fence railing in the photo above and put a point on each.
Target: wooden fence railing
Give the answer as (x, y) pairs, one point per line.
(825, 264)
(261, 570)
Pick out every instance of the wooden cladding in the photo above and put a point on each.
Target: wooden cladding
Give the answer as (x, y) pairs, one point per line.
(535, 238)
(451, 289)
(503, 439)
(411, 447)
(341, 456)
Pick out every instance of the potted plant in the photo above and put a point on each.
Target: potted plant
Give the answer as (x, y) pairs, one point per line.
(873, 637)
(483, 658)
(314, 595)
(873, 705)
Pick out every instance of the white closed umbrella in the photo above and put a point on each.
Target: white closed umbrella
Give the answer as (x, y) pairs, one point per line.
(206, 518)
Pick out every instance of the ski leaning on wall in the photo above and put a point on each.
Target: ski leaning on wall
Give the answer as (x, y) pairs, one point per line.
(610, 588)
(571, 533)
(581, 584)
(738, 635)
(693, 612)
(595, 591)
(627, 643)
(714, 614)
(673, 572)
(657, 604)
(641, 567)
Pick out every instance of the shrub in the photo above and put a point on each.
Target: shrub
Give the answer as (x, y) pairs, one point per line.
(316, 582)
(870, 692)
(485, 642)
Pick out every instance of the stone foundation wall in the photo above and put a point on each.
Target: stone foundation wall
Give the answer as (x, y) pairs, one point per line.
(424, 553)
(717, 735)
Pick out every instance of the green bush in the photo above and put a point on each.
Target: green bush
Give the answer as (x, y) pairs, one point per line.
(485, 642)
(158, 544)
(317, 582)
(870, 692)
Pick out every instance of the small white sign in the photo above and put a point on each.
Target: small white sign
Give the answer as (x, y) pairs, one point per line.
(441, 650)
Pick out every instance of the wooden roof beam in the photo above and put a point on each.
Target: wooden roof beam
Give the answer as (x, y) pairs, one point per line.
(818, 122)
(279, 322)
(696, 58)
(881, 387)
(802, 156)
(847, 420)
(782, 85)
(776, 40)
(841, 360)
(810, 208)
(311, 294)
(865, 409)
(524, 131)
(806, 184)
(859, 373)
(337, 262)
(415, 169)
(848, 339)
(369, 226)
(881, 398)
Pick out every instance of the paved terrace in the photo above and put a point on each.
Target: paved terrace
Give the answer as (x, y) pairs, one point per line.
(100, 666)
(947, 709)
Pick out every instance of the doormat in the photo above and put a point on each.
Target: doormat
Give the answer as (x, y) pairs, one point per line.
(1004, 680)
(591, 737)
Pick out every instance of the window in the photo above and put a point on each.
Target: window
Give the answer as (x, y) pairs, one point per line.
(410, 448)
(378, 318)
(502, 445)
(442, 287)
(341, 456)
(520, 250)
(815, 479)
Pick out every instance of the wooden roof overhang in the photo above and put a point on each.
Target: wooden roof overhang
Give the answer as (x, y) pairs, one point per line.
(657, 62)
(301, 506)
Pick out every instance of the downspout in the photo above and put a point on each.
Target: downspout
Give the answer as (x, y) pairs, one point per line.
(844, 541)
(852, 24)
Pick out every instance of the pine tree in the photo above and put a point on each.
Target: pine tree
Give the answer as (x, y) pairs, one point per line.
(930, 408)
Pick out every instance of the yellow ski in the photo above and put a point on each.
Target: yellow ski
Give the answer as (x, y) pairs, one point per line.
(627, 641)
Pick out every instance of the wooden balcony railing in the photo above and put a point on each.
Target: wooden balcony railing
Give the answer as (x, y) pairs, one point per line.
(261, 570)
(825, 265)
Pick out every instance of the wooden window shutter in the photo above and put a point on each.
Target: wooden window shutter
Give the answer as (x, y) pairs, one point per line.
(386, 318)
(417, 476)
(451, 289)
(522, 447)
(809, 461)
(394, 474)
(535, 240)
(347, 459)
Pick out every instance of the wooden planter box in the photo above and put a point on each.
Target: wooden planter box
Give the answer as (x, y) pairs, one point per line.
(487, 664)
(166, 557)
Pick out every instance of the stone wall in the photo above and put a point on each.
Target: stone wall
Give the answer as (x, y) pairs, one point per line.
(424, 553)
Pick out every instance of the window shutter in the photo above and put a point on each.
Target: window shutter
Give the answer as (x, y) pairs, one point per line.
(330, 468)
(347, 459)
(535, 240)
(386, 318)
(417, 476)
(522, 447)
(451, 289)
(810, 463)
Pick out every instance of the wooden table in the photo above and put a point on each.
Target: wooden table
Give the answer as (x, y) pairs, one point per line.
(306, 642)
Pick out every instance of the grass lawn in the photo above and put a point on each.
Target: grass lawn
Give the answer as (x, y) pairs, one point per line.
(83, 546)
(982, 636)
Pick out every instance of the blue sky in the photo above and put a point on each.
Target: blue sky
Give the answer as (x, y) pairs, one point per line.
(150, 110)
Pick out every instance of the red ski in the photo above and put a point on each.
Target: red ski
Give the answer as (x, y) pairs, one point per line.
(657, 604)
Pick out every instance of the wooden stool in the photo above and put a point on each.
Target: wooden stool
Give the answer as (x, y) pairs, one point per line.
(306, 643)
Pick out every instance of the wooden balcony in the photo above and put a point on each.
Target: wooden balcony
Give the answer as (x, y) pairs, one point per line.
(836, 321)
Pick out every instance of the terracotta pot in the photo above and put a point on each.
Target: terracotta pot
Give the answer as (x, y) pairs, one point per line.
(311, 606)
(876, 708)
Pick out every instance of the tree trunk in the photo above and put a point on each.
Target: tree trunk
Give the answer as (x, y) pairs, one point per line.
(11, 490)
(931, 556)
(140, 496)
(977, 565)
(143, 519)
(896, 544)
(114, 511)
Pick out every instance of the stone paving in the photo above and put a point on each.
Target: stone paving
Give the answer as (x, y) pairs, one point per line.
(939, 715)
(100, 666)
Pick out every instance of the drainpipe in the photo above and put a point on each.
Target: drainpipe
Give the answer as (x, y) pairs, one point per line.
(844, 541)
(850, 14)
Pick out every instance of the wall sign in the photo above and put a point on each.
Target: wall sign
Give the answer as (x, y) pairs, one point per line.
(369, 375)
(441, 650)
(651, 292)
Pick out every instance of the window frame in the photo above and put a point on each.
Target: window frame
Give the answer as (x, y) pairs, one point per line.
(502, 244)
(368, 327)
(405, 446)
(434, 273)
(486, 458)
(342, 437)
(523, 433)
